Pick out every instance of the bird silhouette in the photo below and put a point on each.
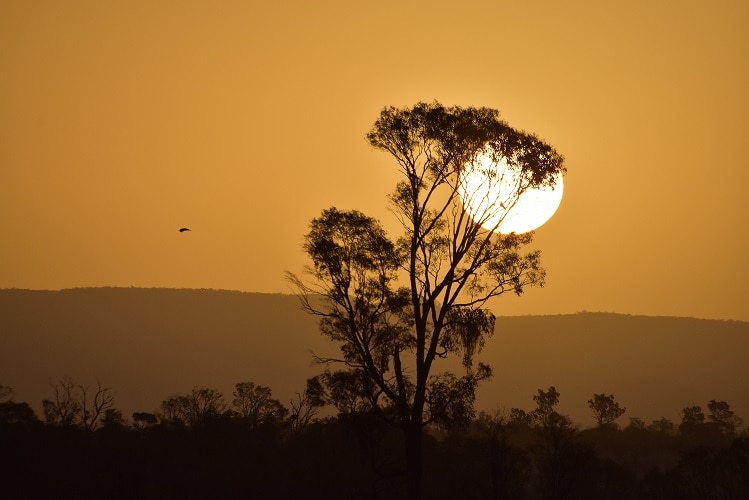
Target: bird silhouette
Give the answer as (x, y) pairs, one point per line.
(183, 229)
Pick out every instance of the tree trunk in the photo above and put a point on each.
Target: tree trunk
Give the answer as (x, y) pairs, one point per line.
(412, 434)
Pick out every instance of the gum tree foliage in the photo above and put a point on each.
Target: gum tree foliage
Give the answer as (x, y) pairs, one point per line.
(305, 406)
(605, 409)
(64, 407)
(554, 428)
(397, 307)
(6, 393)
(662, 425)
(199, 407)
(74, 404)
(636, 423)
(345, 390)
(12, 413)
(255, 405)
(544, 417)
(546, 401)
(692, 419)
(142, 420)
(519, 418)
(556, 453)
(723, 417)
(112, 419)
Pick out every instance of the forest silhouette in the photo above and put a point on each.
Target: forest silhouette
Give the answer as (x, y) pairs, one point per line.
(204, 444)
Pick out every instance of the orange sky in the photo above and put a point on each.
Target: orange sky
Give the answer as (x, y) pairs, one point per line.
(122, 121)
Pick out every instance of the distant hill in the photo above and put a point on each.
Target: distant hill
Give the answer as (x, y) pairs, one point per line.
(149, 344)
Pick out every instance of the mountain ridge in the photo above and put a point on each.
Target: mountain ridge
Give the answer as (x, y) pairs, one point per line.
(228, 290)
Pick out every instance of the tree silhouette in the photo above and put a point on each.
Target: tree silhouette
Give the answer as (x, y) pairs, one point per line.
(558, 457)
(142, 420)
(255, 405)
(6, 393)
(545, 415)
(17, 414)
(662, 425)
(346, 390)
(199, 407)
(636, 423)
(519, 418)
(112, 419)
(605, 409)
(538, 454)
(73, 404)
(64, 408)
(723, 417)
(450, 264)
(554, 428)
(692, 415)
(306, 405)
(696, 428)
(692, 420)
(97, 407)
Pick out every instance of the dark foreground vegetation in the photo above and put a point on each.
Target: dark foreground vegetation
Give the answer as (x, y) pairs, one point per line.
(201, 445)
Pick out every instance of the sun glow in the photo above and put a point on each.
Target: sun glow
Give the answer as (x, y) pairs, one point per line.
(489, 191)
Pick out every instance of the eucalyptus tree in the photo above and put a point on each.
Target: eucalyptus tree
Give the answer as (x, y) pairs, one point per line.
(73, 404)
(6, 393)
(723, 417)
(397, 306)
(605, 409)
(255, 405)
(200, 406)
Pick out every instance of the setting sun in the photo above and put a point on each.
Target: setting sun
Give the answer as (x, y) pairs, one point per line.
(497, 196)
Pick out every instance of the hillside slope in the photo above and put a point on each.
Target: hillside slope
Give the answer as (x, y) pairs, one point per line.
(149, 344)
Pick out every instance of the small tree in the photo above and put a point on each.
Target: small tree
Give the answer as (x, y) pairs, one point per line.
(723, 417)
(173, 411)
(17, 414)
(97, 407)
(113, 419)
(636, 423)
(141, 420)
(205, 405)
(662, 425)
(553, 427)
(255, 405)
(12, 413)
(73, 404)
(347, 390)
(605, 409)
(306, 405)
(692, 415)
(519, 418)
(64, 408)
(692, 421)
(546, 401)
(555, 445)
(6, 393)
(199, 407)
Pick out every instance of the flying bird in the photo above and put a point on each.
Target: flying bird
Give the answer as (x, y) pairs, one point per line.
(183, 229)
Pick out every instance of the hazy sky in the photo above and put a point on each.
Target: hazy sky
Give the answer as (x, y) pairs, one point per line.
(122, 121)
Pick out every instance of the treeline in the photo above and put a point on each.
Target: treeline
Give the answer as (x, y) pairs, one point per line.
(203, 444)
